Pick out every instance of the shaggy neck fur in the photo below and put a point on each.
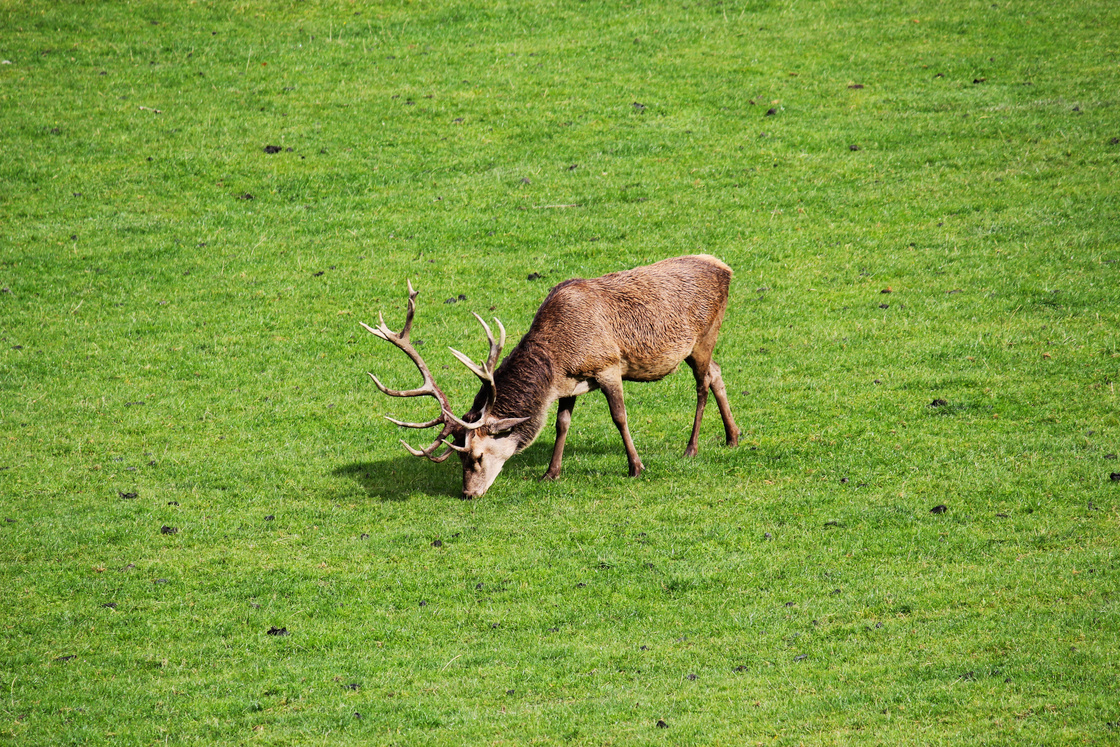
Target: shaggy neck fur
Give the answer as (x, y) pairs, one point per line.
(524, 381)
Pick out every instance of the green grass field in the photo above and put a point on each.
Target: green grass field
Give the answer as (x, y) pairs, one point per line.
(209, 534)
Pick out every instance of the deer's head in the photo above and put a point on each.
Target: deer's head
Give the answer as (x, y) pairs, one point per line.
(483, 440)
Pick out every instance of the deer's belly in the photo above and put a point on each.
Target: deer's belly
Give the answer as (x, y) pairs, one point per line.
(575, 387)
(649, 370)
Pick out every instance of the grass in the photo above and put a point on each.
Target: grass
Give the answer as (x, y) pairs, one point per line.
(179, 321)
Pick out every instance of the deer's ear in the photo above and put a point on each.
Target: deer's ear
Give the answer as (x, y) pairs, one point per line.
(505, 424)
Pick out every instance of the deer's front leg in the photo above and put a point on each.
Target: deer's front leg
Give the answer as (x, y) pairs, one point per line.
(563, 420)
(611, 384)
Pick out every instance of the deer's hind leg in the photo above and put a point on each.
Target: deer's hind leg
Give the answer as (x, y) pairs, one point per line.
(731, 431)
(709, 377)
(700, 372)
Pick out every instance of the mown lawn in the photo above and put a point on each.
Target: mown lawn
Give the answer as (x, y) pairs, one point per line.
(209, 534)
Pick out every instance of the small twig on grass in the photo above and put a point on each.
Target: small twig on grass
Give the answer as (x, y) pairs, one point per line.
(263, 238)
(445, 666)
(550, 207)
(150, 109)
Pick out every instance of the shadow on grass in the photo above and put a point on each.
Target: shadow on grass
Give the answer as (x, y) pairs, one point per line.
(399, 478)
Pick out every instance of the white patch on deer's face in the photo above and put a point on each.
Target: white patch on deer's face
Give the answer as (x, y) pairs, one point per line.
(483, 460)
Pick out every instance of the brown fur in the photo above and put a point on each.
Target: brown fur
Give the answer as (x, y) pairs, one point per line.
(634, 325)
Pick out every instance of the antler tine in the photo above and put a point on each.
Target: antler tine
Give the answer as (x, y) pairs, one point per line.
(403, 424)
(481, 372)
(430, 451)
(486, 370)
(495, 348)
(437, 458)
(376, 332)
(501, 339)
(440, 442)
(486, 374)
(446, 418)
(410, 313)
(403, 393)
(464, 424)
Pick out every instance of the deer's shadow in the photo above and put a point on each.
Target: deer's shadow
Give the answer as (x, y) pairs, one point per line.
(399, 478)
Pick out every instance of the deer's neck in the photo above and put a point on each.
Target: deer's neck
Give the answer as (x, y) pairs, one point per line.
(525, 390)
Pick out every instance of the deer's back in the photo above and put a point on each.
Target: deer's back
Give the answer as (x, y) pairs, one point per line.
(647, 320)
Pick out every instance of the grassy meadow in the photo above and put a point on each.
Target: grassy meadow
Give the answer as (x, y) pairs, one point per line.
(210, 535)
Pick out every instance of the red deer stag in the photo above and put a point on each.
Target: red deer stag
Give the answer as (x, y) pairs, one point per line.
(635, 325)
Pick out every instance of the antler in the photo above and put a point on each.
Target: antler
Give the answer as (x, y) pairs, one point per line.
(485, 372)
(451, 423)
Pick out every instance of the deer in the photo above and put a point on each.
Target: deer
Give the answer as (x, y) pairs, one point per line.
(632, 325)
